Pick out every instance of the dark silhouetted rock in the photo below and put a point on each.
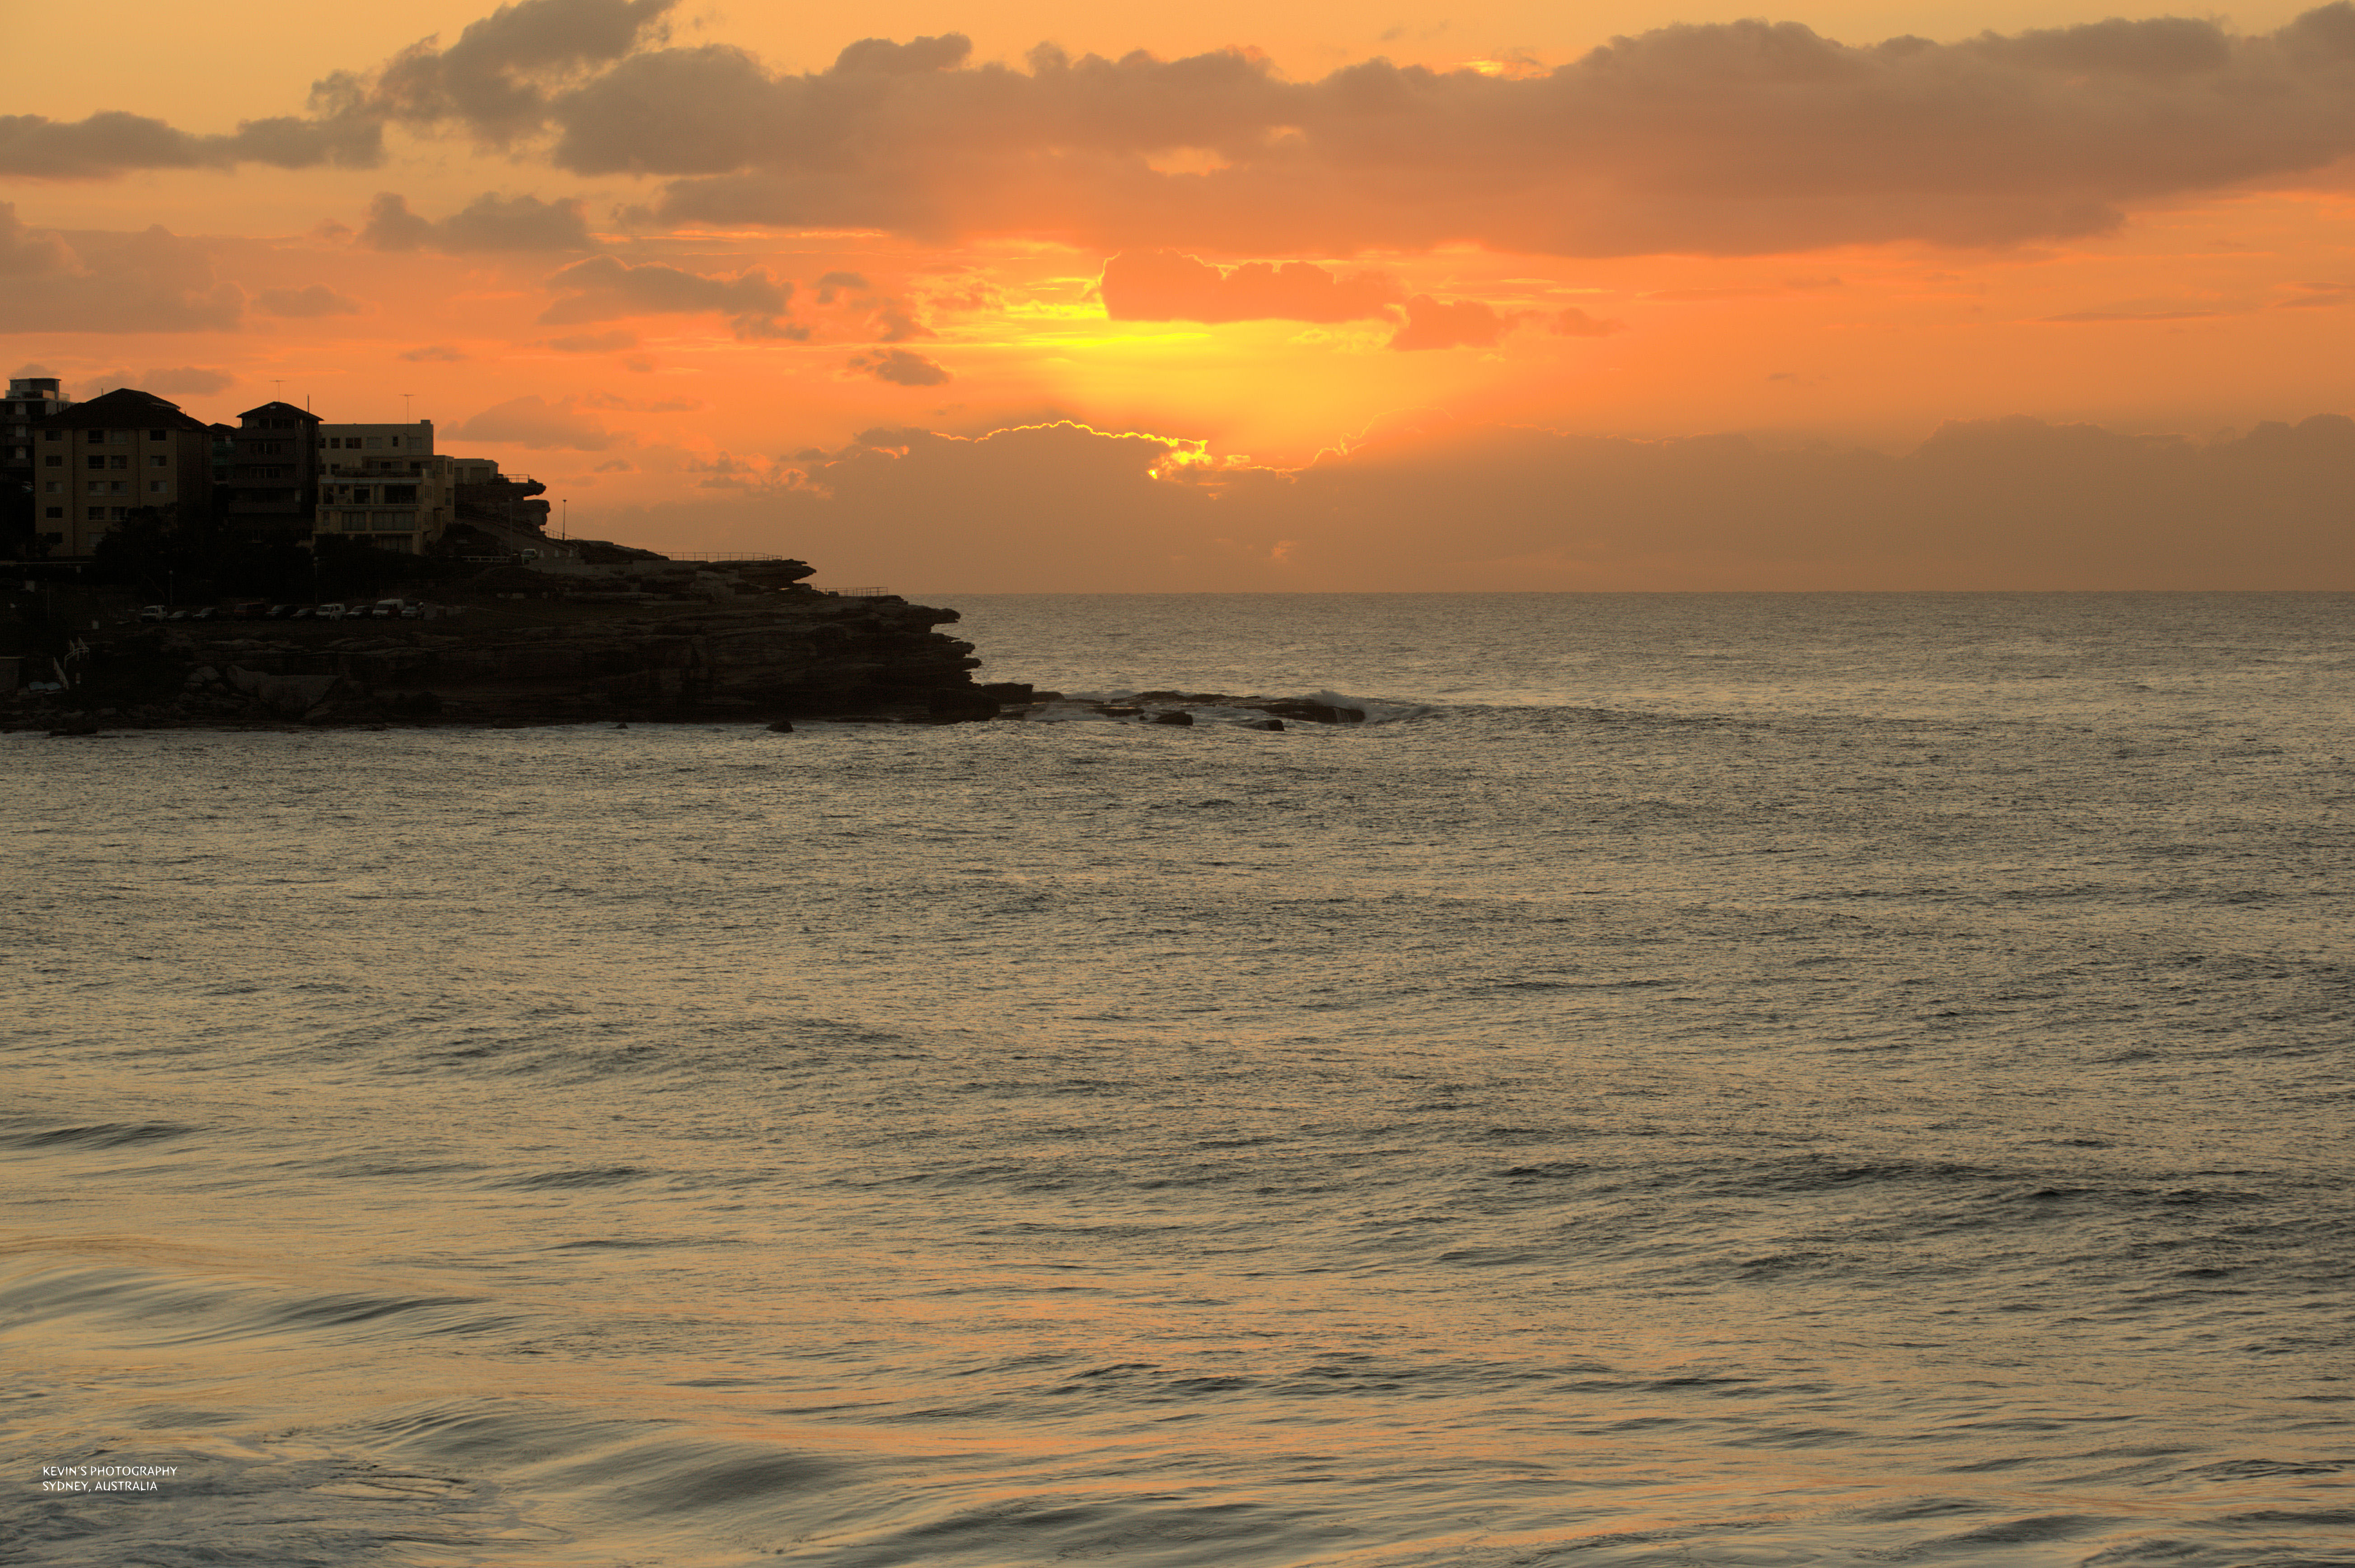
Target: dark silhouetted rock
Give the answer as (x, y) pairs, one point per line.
(1175, 717)
(1314, 712)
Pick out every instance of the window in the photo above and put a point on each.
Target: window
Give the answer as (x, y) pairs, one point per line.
(359, 493)
(97, 461)
(157, 487)
(374, 442)
(119, 437)
(98, 438)
(54, 487)
(356, 522)
(400, 493)
(159, 435)
(117, 462)
(159, 460)
(53, 435)
(54, 460)
(54, 512)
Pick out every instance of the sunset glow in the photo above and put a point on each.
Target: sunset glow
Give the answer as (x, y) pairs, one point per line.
(1659, 299)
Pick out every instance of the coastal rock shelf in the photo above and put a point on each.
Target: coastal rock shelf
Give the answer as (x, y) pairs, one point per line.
(791, 657)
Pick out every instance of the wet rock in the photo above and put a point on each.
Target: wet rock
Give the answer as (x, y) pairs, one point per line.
(1314, 712)
(282, 696)
(782, 727)
(1178, 716)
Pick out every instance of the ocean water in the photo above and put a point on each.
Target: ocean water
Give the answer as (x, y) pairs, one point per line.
(1697, 1080)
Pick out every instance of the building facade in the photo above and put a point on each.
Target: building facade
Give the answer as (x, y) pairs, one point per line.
(30, 398)
(274, 471)
(95, 463)
(383, 485)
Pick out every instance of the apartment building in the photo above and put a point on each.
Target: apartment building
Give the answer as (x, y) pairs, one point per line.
(274, 471)
(94, 462)
(384, 485)
(29, 397)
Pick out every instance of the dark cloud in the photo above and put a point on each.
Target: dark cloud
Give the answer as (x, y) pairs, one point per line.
(1736, 138)
(1998, 504)
(186, 382)
(534, 422)
(1164, 285)
(489, 222)
(900, 367)
(303, 304)
(103, 146)
(100, 282)
(594, 342)
(885, 318)
(437, 353)
(496, 78)
(605, 289)
(1449, 324)
(32, 253)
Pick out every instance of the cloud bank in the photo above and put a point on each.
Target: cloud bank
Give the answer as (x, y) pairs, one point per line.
(1998, 504)
(489, 222)
(604, 288)
(1738, 138)
(97, 281)
(1725, 139)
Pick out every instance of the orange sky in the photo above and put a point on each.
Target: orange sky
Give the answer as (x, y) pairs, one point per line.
(1516, 297)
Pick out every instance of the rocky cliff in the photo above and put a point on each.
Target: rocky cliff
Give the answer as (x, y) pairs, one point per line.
(761, 658)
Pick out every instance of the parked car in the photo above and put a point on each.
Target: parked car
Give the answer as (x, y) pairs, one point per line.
(331, 612)
(280, 613)
(387, 609)
(301, 613)
(153, 612)
(251, 610)
(207, 613)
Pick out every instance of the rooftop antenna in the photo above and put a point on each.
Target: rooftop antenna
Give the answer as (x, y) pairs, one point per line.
(278, 385)
(405, 418)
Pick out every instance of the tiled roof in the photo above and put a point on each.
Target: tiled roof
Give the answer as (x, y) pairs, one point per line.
(281, 409)
(125, 405)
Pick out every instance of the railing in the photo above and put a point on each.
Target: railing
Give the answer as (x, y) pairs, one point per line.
(857, 592)
(722, 554)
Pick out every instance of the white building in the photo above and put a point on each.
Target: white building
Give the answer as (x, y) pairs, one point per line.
(384, 485)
